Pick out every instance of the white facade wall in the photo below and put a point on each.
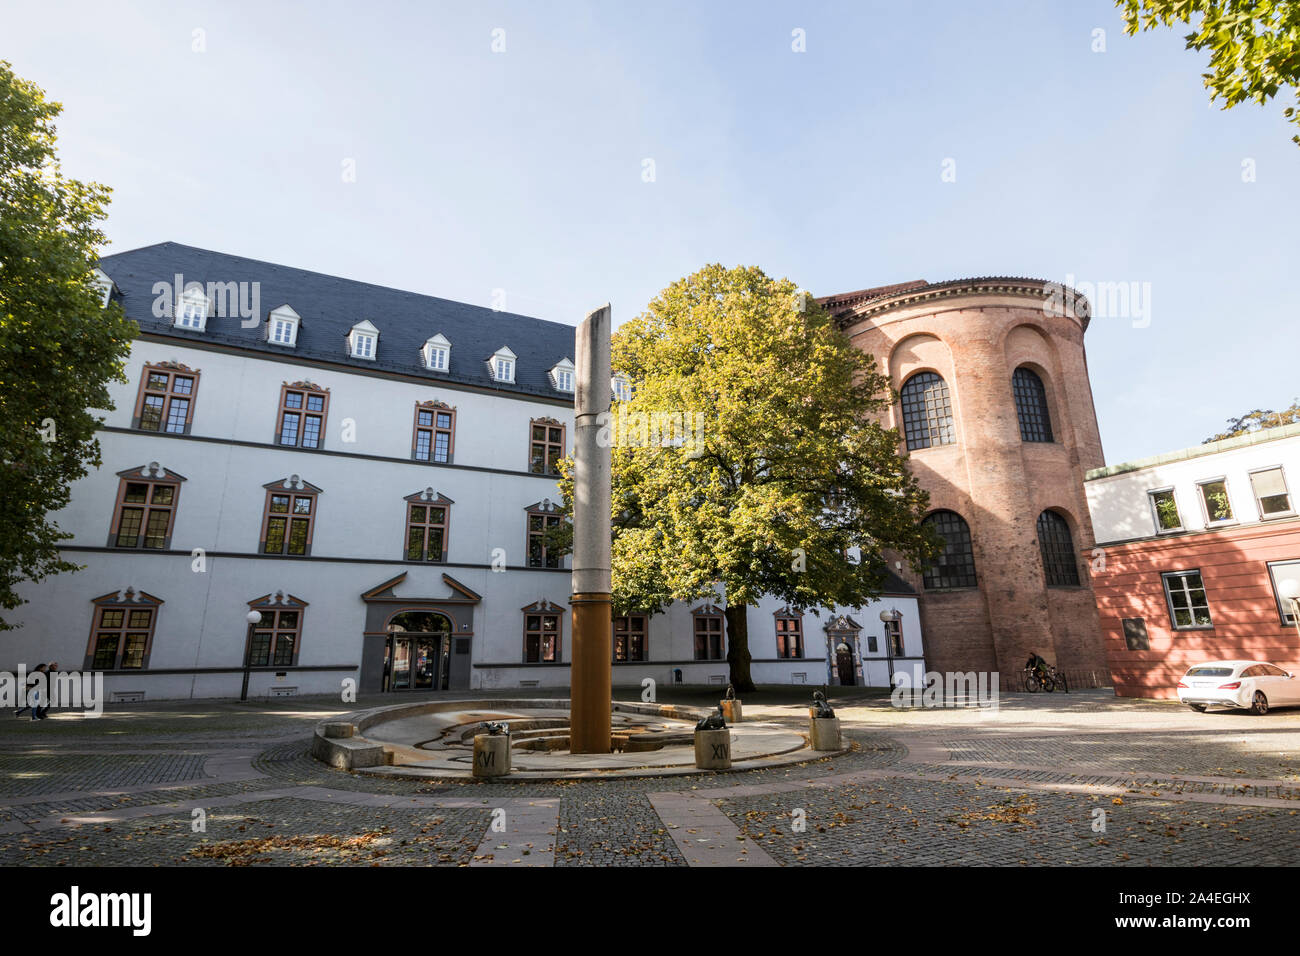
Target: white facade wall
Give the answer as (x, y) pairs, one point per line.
(357, 544)
(1120, 503)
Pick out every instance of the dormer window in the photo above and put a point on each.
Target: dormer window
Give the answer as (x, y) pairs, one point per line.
(502, 365)
(192, 310)
(282, 327)
(437, 354)
(562, 376)
(363, 340)
(621, 388)
(105, 286)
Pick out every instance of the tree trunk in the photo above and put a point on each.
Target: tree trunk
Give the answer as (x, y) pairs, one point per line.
(738, 658)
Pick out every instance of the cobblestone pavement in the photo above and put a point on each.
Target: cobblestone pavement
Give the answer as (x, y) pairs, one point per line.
(1082, 779)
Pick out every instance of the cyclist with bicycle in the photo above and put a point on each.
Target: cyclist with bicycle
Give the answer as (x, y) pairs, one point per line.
(1037, 665)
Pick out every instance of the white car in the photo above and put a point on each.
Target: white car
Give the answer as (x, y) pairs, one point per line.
(1257, 685)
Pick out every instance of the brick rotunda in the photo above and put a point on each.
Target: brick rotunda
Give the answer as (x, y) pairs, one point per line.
(997, 417)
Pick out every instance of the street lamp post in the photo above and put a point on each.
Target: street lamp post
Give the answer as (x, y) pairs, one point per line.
(252, 618)
(891, 616)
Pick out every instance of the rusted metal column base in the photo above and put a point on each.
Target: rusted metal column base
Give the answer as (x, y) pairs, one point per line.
(590, 694)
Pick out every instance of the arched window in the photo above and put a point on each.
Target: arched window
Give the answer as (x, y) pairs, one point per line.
(1057, 547)
(927, 411)
(956, 566)
(1031, 405)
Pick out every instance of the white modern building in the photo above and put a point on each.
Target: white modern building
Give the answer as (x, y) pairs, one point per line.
(308, 479)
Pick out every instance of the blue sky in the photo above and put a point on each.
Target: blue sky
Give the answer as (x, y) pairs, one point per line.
(523, 170)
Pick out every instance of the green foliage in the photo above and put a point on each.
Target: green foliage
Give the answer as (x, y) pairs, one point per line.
(1254, 44)
(1257, 419)
(58, 347)
(789, 469)
(1167, 511)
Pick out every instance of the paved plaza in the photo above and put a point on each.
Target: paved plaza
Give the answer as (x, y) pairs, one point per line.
(1080, 779)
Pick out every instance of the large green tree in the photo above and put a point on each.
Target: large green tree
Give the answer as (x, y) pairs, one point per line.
(780, 479)
(58, 346)
(1257, 419)
(1254, 44)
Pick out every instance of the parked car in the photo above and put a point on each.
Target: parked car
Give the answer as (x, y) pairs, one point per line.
(1257, 685)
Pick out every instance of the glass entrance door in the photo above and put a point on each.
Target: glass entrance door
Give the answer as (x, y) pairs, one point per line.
(426, 664)
(399, 660)
(417, 655)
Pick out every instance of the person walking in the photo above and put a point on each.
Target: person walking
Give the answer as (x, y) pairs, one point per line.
(50, 671)
(32, 683)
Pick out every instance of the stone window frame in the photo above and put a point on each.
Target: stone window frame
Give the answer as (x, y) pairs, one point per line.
(276, 604)
(126, 602)
(153, 476)
(930, 410)
(168, 395)
(633, 626)
(1056, 549)
(427, 499)
(967, 574)
(552, 450)
(1259, 504)
(295, 488)
(1033, 411)
(1191, 608)
(793, 622)
(1152, 495)
(550, 515)
(701, 619)
(543, 610)
(306, 390)
(434, 408)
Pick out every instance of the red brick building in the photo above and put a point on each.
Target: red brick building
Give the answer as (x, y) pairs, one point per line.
(997, 417)
(1199, 547)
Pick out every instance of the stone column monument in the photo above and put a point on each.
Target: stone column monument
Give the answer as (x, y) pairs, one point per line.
(589, 675)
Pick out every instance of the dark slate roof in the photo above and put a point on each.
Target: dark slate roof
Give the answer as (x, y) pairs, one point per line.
(330, 306)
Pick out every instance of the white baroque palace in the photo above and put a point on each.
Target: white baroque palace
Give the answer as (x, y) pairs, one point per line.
(308, 479)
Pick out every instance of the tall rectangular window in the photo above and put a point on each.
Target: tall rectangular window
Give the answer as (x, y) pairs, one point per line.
(301, 421)
(166, 400)
(546, 447)
(541, 638)
(708, 636)
(435, 430)
(1164, 507)
(1189, 608)
(1271, 492)
(629, 637)
(144, 512)
(894, 637)
(539, 556)
(287, 521)
(789, 637)
(426, 531)
(273, 641)
(1214, 496)
(121, 631)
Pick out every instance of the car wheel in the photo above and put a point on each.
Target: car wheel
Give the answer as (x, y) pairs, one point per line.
(1260, 705)
(1199, 708)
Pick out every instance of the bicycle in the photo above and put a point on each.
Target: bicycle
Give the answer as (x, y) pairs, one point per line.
(1058, 678)
(1034, 682)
